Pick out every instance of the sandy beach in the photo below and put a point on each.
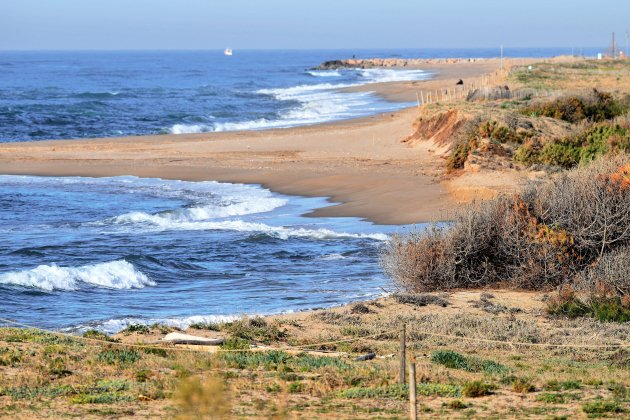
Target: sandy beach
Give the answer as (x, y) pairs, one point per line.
(362, 165)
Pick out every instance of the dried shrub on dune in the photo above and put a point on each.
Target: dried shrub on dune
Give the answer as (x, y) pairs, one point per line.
(538, 239)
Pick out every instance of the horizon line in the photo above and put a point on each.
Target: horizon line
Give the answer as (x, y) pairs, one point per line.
(498, 48)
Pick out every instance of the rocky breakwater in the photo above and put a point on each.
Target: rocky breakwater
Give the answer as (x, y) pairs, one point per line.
(367, 63)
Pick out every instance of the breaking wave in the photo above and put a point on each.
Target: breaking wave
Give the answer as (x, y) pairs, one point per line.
(118, 274)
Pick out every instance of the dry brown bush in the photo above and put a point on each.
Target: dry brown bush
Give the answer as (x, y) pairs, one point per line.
(538, 239)
(611, 272)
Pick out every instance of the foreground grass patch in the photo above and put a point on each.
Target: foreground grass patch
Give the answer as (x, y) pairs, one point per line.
(401, 392)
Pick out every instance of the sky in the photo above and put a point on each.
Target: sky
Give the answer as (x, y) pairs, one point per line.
(300, 24)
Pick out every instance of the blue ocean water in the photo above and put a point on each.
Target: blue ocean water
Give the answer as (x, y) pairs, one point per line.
(81, 253)
(58, 95)
(106, 252)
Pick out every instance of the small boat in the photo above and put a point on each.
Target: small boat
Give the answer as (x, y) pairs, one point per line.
(228, 51)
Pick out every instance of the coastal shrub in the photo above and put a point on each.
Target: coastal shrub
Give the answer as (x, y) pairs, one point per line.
(255, 329)
(537, 239)
(597, 107)
(97, 335)
(476, 389)
(601, 306)
(583, 147)
(610, 274)
(137, 329)
(420, 299)
(457, 158)
(523, 386)
(481, 132)
(529, 152)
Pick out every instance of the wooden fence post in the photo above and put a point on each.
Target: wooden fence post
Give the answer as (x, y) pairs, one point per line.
(403, 355)
(413, 409)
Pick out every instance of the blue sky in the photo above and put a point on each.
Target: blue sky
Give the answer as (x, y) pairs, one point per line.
(209, 24)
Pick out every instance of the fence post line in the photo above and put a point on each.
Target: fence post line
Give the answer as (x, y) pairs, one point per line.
(403, 354)
(413, 406)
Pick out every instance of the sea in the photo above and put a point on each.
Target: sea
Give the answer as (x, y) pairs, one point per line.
(80, 253)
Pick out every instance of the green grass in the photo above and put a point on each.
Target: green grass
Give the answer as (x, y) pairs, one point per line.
(105, 398)
(255, 329)
(602, 407)
(278, 360)
(26, 335)
(118, 356)
(565, 385)
(10, 356)
(97, 335)
(136, 329)
(603, 309)
(401, 392)
(551, 398)
(29, 393)
(454, 360)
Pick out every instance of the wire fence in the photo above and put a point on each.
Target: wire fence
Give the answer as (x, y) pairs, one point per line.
(309, 347)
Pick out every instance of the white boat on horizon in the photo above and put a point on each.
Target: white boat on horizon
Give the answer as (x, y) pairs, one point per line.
(228, 51)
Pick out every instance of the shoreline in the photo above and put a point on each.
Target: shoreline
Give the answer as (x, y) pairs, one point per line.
(361, 165)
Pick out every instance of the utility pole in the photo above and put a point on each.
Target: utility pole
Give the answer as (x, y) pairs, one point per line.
(501, 58)
(613, 47)
(627, 44)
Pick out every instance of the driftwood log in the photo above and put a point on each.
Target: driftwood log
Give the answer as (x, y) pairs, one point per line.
(179, 338)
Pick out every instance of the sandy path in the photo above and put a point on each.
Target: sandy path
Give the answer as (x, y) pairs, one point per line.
(360, 163)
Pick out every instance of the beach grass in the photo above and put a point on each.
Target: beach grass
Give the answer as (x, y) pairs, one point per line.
(51, 376)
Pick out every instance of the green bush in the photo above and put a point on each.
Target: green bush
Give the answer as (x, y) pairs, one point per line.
(458, 156)
(97, 335)
(522, 386)
(476, 389)
(599, 106)
(603, 308)
(586, 146)
(136, 328)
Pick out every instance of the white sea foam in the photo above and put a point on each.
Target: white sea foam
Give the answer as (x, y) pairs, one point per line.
(151, 222)
(118, 274)
(333, 257)
(324, 73)
(190, 128)
(112, 326)
(318, 103)
(201, 213)
(379, 75)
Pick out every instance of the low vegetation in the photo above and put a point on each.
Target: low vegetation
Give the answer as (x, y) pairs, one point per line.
(562, 125)
(572, 231)
(45, 375)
